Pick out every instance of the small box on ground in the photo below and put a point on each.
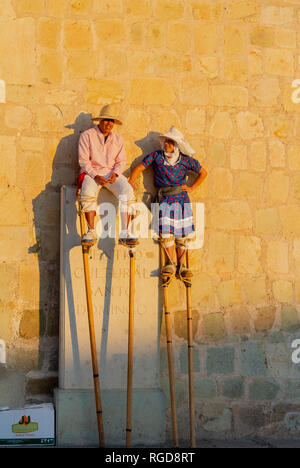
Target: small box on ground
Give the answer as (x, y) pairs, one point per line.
(31, 425)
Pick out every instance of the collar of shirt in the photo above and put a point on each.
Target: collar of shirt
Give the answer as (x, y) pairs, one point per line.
(109, 136)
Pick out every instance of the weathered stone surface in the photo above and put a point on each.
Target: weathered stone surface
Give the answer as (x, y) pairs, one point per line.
(18, 67)
(151, 91)
(266, 92)
(294, 157)
(277, 15)
(255, 291)
(183, 360)
(242, 9)
(233, 388)
(290, 220)
(104, 90)
(49, 32)
(222, 182)
(239, 322)
(264, 319)
(238, 157)
(205, 35)
(277, 256)
(263, 390)
(280, 180)
(213, 326)
(279, 62)
(253, 359)
(8, 282)
(74, 31)
(249, 125)
(231, 215)
(221, 125)
(7, 317)
(180, 324)
(289, 319)
(49, 118)
(220, 253)
(283, 291)
(193, 91)
(166, 10)
(205, 388)
(226, 95)
(207, 11)
(32, 324)
(18, 117)
(12, 197)
(229, 293)
(38, 383)
(249, 419)
(249, 252)
(51, 67)
(234, 40)
(7, 160)
(267, 221)
(220, 360)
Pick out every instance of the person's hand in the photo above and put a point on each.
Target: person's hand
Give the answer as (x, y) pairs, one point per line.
(187, 188)
(100, 180)
(112, 178)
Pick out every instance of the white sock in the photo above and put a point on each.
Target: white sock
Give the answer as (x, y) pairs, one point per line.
(123, 233)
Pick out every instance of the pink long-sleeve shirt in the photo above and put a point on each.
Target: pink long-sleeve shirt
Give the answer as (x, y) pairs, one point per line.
(100, 157)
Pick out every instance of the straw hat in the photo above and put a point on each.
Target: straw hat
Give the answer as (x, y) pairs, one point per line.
(110, 111)
(177, 136)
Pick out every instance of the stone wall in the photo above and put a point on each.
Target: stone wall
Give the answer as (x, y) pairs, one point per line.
(222, 72)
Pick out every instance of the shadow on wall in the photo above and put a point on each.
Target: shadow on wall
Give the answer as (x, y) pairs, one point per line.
(47, 233)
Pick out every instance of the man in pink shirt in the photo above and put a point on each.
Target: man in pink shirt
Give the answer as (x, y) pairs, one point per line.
(102, 159)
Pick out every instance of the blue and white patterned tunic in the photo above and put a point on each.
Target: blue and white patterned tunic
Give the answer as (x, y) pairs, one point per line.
(175, 215)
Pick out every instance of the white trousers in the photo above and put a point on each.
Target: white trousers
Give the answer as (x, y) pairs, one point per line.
(121, 189)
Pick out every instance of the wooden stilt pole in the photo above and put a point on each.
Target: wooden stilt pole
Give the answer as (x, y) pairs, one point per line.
(130, 349)
(165, 284)
(85, 251)
(190, 358)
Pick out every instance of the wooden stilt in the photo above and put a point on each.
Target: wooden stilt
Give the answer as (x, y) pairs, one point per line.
(165, 284)
(130, 349)
(190, 358)
(85, 250)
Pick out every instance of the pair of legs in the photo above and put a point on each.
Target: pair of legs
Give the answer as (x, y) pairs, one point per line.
(169, 253)
(121, 189)
(170, 245)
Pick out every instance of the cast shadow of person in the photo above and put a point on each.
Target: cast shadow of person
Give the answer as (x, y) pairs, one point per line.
(46, 209)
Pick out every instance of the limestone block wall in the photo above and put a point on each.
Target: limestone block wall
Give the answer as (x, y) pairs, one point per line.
(223, 72)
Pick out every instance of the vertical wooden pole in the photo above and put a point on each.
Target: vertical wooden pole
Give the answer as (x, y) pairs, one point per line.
(170, 354)
(190, 358)
(85, 251)
(130, 349)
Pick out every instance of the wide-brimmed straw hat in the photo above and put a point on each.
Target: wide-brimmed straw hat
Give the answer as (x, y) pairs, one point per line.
(177, 136)
(110, 111)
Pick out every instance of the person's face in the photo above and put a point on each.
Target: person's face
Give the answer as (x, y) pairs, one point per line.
(106, 126)
(169, 146)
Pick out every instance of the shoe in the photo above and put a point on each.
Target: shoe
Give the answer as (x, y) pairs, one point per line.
(169, 269)
(128, 241)
(183, 272)
(89, 237)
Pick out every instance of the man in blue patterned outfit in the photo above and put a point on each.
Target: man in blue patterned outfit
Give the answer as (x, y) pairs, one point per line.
(170, 167)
